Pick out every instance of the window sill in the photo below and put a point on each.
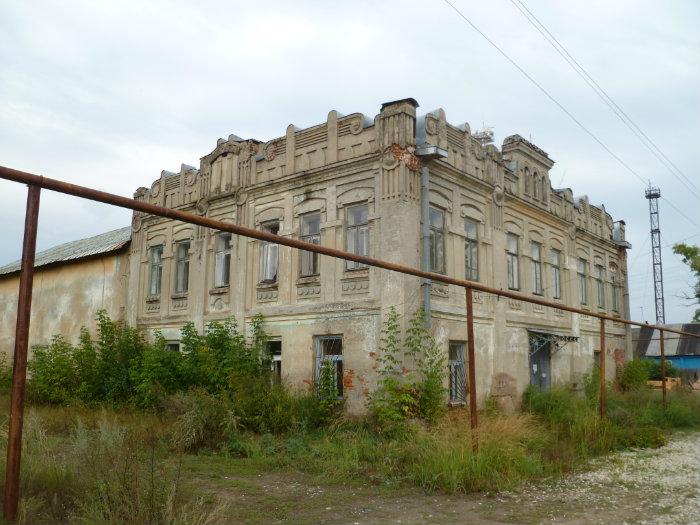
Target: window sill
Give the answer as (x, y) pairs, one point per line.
(356, 273)
(153, 298)
(309, 279)
(219, 290)
(266, 285)
(457, 404)
(179, 295)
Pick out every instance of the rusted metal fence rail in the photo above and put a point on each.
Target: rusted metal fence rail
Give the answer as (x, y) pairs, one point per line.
(36, 182)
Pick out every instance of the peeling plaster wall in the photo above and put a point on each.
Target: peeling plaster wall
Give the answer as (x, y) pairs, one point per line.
(64, 298)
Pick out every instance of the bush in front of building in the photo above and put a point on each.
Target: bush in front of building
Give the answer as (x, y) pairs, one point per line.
(407, 393)
(221, 366)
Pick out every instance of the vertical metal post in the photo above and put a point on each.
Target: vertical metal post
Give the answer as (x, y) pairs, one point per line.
(663, 367)
(602, 368)
(471, 365)
(19, 371)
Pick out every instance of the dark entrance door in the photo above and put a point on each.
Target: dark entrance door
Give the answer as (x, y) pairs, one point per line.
(540, 361)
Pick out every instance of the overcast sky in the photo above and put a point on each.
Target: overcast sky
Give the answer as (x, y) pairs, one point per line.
(108, 94)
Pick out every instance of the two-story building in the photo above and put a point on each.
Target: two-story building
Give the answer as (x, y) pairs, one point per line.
(354, 183)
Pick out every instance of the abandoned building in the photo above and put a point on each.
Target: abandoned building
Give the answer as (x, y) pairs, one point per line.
(356, 183)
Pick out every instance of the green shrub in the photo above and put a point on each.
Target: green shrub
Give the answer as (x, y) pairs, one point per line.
(405, 393)
(655, 369)
(633, 374)
(54, 378)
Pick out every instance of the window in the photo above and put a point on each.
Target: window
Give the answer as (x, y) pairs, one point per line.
(156, 269)
(458, 377)
(536, 254)
(329, 359)
(471, 251)
(357, 234)
(436, 224)
(274, 350)
(555, 261)
(310, 232)
(182, 266)
(526, 177)
(269, 254)
(583, 280)
(600, 285)
(614, 289)
(512, 261)
(173, 346)
(222, 261)
(536, 186)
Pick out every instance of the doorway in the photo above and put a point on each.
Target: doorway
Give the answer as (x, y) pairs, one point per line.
(540, 361)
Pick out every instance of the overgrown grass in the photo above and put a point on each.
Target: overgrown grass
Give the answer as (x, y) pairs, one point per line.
(88, 465)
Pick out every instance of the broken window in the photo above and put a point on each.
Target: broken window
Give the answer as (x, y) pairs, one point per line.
(329, 359)
(555, 261)
(600, 285)
(269, 254)
(457, 371)
(436, 222)
(222, 259)
(583, 280)
(274, 350)
(512, 261)
(536, 255)
(357, 234)
(310, 232)
(156, 269)
(471, 251)
(182, 266)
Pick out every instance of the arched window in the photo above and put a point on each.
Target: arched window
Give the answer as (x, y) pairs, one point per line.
(536, 189)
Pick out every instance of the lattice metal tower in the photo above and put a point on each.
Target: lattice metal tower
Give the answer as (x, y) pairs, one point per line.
(653, 195)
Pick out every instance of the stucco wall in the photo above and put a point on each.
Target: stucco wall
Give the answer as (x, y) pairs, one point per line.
(64, 298)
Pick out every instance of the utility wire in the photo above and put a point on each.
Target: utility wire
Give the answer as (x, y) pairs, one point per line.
(619, 112)
(557, 103)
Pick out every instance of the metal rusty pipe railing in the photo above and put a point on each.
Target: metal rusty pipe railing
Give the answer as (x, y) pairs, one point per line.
(19, 367)
(132, 204)
(36, 182)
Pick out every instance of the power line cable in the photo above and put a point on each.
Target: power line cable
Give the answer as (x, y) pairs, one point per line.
(595, 86)
(556, 102)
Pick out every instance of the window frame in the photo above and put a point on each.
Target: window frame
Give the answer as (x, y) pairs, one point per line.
(614, 285)
(222, 259)
(582, 271)
(600, 285)
(436, 241)
(537, 284)
(471, 251)
(155, 266)
(309, 261)
(275, 359)
(336, 359)
(182, 266)
(512, 262)
(356, 235)
(555, 263)
(457, 369)
(266, 249)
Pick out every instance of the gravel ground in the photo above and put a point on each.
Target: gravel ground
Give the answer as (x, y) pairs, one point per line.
(645, 486)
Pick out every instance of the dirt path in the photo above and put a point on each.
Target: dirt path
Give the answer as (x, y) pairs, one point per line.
(645, 487)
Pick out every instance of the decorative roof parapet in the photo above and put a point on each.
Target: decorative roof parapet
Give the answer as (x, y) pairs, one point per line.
(513, 140)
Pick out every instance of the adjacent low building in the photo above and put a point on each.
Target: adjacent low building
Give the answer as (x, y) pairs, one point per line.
(71, 283)
(354, 183)
(682, 352)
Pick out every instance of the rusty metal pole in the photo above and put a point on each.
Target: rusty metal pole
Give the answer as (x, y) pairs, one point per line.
(471, 365)
(663, 368)
(602, 368)
(19, 370)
